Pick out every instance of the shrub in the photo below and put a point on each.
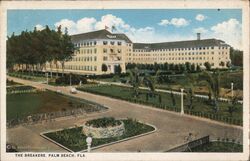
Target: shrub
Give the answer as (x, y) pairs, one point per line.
(75, 79)
(103, 122)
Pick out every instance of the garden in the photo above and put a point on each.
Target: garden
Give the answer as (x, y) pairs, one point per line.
(75, 140)
(168, 101)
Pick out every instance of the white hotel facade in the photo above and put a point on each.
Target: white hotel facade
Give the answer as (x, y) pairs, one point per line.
(112, 49)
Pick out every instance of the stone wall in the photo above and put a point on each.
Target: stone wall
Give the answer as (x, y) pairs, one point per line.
(108, 132)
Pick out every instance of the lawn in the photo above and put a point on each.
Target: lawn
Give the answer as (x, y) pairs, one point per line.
(74, 139)
(219, 147)
(200, 105)
(22, 105)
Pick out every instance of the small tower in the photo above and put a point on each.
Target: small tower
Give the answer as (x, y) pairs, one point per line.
(198, 36)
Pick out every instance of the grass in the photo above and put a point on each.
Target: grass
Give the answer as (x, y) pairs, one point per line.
(75, 140)
(22, 105)
(126, 93)
(219, 147)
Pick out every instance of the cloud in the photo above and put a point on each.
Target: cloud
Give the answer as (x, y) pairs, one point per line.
(66, 23)
(200, 17)
(142, 34)
(39, 27)
(177, 22)
(200, 30)
(230, 31)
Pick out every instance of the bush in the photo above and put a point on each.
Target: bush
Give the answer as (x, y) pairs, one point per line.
(75, 79)
(103, 122)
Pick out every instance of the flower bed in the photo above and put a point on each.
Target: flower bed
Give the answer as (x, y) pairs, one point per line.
(75, 140)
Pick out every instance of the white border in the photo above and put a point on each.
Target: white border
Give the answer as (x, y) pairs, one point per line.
(150, 4)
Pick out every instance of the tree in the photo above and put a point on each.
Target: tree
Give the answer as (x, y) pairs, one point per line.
(66, 48)
(236, 57)
(213, 84)
(182, 68)
(166, 66)
(228, 64)
(29, 50)
(104, 68)
(177, 67)
(189, 86)
(188, 66)
(118, 69)
(233, 106)
(198, 68)
(207, 65)
(193, 68)
(134, 80)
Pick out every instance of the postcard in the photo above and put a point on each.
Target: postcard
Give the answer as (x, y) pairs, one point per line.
(125, 80)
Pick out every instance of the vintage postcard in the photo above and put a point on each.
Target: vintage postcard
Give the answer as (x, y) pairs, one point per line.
(110, 80)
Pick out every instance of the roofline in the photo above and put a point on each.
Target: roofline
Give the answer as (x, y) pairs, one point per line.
(90, 32)
(176, 41)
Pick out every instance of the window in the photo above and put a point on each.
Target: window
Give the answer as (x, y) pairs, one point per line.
(105, 42)
(105, 50)
(94, 42)
(95, 58)
(112, 42)
(95, 50)
(119, 50)
(119, 43)
(105, 58)
(111, 50)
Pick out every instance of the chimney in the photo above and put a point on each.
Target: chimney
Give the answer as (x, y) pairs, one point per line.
(198, 36)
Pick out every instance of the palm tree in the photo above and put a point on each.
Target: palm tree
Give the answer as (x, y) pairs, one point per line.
(134, 80)
(213, 83)
(190, 89)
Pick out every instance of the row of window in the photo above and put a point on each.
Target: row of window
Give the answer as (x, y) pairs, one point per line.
(86, 58)
(88, 51)
(112, 43)
(111, 50)
(93, 43)
(89, 43)
(178, 49)
(174, 58)
(105, 58)
(175, 54)
(79, 67)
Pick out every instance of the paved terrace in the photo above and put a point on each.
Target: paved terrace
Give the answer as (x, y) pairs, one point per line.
(172, 127)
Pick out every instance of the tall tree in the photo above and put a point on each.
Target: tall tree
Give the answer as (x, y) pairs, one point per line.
(213, 85)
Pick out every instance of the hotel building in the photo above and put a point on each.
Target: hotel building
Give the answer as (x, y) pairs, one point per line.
(112, 49)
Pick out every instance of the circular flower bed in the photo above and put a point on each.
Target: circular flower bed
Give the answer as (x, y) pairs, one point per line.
(106, 127)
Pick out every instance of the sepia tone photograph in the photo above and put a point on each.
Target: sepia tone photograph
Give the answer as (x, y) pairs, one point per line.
(125, 81)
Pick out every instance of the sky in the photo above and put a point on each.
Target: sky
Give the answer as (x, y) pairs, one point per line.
(140, 25)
